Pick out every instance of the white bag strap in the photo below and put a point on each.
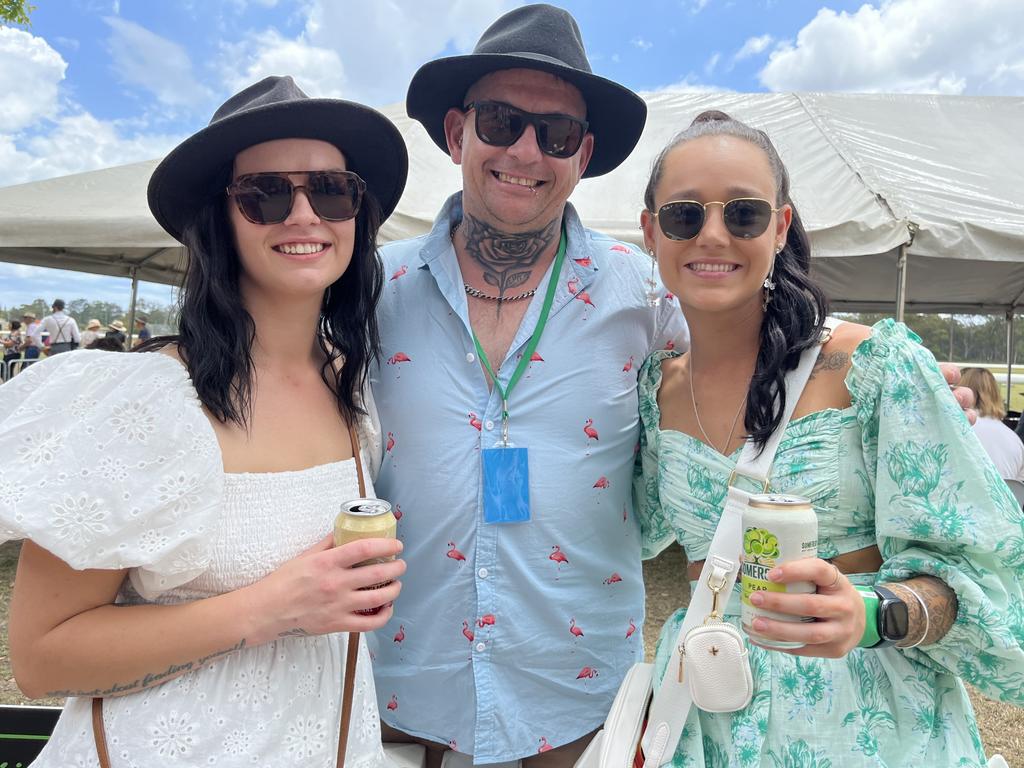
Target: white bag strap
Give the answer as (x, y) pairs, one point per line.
(671, 704)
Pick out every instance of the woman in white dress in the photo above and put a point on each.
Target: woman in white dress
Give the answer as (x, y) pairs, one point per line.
(177, 503)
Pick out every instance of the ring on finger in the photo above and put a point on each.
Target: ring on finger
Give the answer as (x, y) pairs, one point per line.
(835, 581)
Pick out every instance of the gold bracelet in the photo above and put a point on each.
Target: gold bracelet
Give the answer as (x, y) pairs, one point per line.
(927, 620)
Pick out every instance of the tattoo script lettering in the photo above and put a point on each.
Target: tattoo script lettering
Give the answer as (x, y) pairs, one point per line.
(151, 678)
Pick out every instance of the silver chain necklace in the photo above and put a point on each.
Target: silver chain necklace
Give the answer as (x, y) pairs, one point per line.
(476, 293)
(696, 415)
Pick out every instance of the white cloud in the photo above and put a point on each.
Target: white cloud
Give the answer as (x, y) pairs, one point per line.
(145, 59)
(318, 71)
(923, 46)
(77, 143)
(689, 84)
(367, 51)
(753, 46)
(643, 45)
(30, 73)
(696, 6)
(711, 63)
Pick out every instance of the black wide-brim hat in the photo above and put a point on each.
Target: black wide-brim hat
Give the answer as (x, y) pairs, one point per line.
(539, 37)
(276, 108)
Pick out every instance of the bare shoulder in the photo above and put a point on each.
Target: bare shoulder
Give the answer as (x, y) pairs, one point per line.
(836, 352)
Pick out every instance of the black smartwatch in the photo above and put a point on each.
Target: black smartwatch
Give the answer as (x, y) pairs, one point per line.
(893, 617)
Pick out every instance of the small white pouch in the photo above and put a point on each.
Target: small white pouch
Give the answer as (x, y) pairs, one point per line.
(713, 661)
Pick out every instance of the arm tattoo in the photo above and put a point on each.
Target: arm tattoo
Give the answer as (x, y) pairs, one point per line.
(832, 361)
(941, 603)
(508, 259)
(150, 678)
(296, 632)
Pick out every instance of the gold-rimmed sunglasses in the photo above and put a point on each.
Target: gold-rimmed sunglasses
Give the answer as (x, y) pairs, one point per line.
(744, 217)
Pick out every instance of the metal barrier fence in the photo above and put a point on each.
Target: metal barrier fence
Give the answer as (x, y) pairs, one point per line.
(9, 368)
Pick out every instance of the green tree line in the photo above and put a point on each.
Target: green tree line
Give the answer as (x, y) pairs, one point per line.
(960, 338)
(161, 318)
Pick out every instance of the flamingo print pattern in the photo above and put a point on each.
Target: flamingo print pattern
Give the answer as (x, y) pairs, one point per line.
(399, 272)
(544, 746)
(576, 631)
(439, 412)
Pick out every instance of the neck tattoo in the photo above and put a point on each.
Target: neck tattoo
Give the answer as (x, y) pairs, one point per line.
(507, 259)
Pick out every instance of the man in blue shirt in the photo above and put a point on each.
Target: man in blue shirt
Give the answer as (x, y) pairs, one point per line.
(512, 337)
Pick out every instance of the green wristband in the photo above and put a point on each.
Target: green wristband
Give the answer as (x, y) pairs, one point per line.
(871, 637)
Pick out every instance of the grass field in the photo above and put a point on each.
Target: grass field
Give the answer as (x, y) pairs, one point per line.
(1002, 725)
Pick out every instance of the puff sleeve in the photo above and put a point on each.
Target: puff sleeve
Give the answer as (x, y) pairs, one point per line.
(655, 528)
(110, 463)
(941, 509)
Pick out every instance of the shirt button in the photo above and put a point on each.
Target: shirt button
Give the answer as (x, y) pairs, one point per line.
(482, 573)
(489, 425)
(481, 647)
(470, 357)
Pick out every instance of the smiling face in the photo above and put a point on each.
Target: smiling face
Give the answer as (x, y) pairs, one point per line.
(517, 188)
(716, 271)
(304, 254)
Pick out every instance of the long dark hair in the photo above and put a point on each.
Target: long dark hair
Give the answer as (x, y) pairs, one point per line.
(216, 333)
(795, 316)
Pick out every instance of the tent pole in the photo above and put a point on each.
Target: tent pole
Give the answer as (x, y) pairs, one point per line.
(1009, 356)
(901, 282)
(131, 308)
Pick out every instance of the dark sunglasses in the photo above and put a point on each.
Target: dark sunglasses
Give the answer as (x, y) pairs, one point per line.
(267, 198)
(501, 125)
(744, 217)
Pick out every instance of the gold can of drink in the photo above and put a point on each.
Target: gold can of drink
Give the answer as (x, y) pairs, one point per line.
(777, 529)
(365, 519)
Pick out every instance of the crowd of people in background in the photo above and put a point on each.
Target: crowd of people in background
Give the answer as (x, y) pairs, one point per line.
(30, 338)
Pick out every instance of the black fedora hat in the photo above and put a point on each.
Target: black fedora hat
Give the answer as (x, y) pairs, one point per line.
(538, 37)
(276, 108)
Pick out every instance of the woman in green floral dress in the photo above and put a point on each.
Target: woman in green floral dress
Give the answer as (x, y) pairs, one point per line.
(904, 494)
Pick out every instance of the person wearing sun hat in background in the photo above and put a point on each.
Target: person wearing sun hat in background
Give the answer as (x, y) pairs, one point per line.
(91, 332)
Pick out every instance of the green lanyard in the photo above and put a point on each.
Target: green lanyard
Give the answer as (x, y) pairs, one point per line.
(531, 345)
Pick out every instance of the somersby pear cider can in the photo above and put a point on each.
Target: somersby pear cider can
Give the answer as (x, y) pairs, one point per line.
(365, 519)
(776, 529)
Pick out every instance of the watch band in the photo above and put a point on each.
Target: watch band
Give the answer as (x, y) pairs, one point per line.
(870, 638)
(893, 617)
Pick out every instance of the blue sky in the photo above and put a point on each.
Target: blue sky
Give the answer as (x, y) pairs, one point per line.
(95, 83)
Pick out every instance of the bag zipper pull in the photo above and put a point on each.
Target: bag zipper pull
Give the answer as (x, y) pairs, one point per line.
(682, 658)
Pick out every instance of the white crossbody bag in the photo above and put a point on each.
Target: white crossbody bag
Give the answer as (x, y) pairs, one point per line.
(710, 655)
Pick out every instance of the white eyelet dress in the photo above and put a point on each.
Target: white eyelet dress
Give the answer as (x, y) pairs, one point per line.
(111, 463)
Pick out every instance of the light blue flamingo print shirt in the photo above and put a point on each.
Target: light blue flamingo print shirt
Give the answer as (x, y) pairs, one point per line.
(510, 639)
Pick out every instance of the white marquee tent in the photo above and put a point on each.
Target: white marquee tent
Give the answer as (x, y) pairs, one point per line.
(935, 183)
